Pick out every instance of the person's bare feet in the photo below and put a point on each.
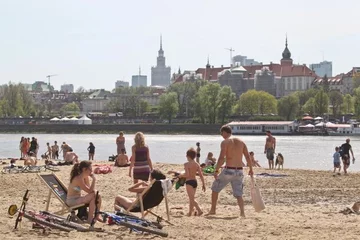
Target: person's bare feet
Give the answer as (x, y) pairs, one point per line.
(200, 213)
(189, 214)
(211, 213)
(242, 215)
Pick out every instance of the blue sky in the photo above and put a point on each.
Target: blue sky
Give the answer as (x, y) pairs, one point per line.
(94, 43)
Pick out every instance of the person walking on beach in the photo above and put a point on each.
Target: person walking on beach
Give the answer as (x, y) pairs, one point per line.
(120, 143)
(346, 150)
(191, 169)
(336, 157)
(198, 149)
(141, 164)
(91, 150)
(232, 149)
(269, 150)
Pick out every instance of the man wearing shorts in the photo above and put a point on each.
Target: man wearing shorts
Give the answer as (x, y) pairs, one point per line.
(270, 149)
(233, 150)
(346, 150)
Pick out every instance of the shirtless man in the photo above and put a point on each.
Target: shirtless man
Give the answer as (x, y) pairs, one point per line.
(233, 150)
(71, 157)
(122, 160)
(269, 150)
(55, 150)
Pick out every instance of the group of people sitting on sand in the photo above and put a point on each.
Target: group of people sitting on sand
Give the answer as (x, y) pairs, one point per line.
(141, 171)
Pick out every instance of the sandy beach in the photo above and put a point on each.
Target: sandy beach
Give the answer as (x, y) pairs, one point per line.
(303, 205)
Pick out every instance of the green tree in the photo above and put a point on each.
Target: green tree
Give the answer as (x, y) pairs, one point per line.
(336, 100)
(168, 106)
(227, 100)
(70, 108)
(267, 103)
(326, 84)
(309, 106)
(256, 102)
(348, 105)
(357, 101)
(321, 103)
(143, 107)
(288, 106)
(249, 103)
(186, 92)
(209, 101)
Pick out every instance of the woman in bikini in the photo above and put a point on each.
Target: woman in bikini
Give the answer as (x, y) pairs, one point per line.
(191, 169)
(140, 165)
(79, 181)
(124, 202)
(120, 142)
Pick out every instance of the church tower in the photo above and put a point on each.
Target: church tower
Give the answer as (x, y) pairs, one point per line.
(286, 56)
(161, 74)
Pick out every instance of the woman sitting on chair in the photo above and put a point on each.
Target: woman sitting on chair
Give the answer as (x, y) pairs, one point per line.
(124, 202)
(79, 180)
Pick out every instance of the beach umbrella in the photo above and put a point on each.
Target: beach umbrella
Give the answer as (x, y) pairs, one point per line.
(330, 124)
(318, 118)
(307, 118)
(320, 124)
(55, 119)
(65, 119)
(309, 125)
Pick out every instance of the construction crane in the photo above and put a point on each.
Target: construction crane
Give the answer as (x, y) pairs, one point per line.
(231, 50)
(49, 76)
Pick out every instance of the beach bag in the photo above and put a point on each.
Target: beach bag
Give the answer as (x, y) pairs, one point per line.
(256, 197)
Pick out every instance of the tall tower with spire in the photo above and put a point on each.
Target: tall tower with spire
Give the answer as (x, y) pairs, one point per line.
(286, 55)
(161, 74)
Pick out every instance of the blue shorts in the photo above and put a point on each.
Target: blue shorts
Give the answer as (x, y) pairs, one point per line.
(233, 176)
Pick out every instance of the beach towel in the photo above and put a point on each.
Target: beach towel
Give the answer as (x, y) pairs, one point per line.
(102, 169)
(166, 185)
(271, 175)
(256, 197)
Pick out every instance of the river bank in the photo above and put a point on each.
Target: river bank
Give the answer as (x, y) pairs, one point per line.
(304, 204)
(111, 128)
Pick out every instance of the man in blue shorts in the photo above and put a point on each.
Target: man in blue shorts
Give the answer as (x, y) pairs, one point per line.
(232, 149)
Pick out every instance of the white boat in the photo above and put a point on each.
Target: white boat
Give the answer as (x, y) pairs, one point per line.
(254, 127)
(344, 129)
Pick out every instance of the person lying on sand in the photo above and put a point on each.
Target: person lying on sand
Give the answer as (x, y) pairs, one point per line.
(124, 202)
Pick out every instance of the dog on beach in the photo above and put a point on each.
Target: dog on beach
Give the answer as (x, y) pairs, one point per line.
(279, 161)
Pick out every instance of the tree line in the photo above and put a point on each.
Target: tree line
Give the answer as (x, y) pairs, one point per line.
(202, 101)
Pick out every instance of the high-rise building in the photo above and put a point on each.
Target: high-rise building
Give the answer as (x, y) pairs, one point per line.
(119, 84)
(323, 68)
(161, 74)
(239, 60)
(139, 80)
(67, 88)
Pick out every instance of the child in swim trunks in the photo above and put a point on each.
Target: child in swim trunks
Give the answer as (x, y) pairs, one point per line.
(336, 157)
(191, 169)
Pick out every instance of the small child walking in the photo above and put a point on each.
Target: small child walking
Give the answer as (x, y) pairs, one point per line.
(191, 169)
(336, 157)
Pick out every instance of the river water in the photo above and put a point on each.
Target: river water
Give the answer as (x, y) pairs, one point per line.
(302, 152)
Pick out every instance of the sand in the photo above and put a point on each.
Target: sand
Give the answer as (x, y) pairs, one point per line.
(303, 205)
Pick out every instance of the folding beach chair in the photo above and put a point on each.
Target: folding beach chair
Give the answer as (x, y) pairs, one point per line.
(151, 197)
(57, 187)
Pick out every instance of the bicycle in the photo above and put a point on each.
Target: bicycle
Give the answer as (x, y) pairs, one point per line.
(29, 169)
(45, 219)
(40, 221)
(132, 222)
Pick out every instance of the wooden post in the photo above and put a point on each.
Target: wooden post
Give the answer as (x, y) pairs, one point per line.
(48, 201)
(167, 208)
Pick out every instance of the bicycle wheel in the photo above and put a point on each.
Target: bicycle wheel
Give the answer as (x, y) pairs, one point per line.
(143, 228)
(52, 168)
(10, 170)
(43, 222)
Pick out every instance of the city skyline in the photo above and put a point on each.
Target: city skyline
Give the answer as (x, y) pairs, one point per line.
(92, 44)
